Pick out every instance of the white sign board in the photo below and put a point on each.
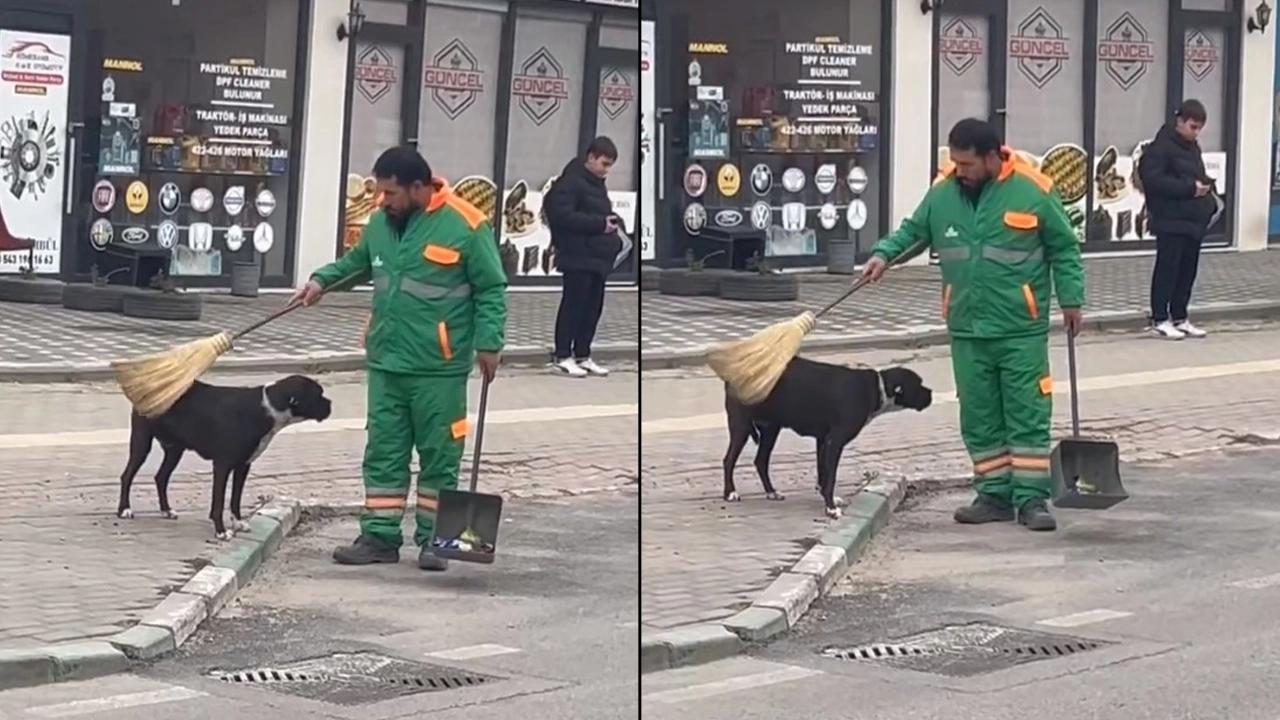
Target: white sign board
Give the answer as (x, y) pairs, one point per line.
(34, 72)
(648, 142)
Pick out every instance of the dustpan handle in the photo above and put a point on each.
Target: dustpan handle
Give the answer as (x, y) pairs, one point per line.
(1075, 395)
(475, 459)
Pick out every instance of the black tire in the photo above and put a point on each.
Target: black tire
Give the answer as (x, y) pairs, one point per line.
(649, 276)
(163, 306)
(758, 288)
(38, 291)
(689, 283)
(92, 298)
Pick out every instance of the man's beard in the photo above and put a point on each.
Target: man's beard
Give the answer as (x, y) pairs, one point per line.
(400, 220)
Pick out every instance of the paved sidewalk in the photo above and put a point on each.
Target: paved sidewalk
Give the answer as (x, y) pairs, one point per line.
(43, 338)
(73, 571)
(705, 559)
(908, 304)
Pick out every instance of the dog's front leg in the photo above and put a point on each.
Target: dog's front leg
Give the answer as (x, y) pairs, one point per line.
(172, 456)
(238, 478)
(220, 473)
(768, 438)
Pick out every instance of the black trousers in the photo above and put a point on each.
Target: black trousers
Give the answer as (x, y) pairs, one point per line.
(1177, 260)
(580, 308)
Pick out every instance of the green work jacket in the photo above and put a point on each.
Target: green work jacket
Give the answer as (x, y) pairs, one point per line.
(439, 290)
(996, 255)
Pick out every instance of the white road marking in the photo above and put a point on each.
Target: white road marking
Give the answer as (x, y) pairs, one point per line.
(115, 702)
(715, 421)
(120, 436)
(1258, 583)
(1088, 617)
(473, 652)
(732, 685)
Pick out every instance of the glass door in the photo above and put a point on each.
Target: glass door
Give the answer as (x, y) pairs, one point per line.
(969, 78)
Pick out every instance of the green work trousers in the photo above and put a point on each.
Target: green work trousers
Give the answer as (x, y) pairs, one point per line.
(1006, 414)
(407, 412)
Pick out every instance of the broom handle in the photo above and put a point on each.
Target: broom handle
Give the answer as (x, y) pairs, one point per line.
(293, 306)
(861, 283)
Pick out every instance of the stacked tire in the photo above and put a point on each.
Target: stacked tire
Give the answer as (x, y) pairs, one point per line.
(37, 291)
(157, 305)
(753, 287)
(689, 283)
(94, 298)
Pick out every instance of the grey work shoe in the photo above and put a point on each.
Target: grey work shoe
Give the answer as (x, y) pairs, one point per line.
(1035, 515)
(985, 509)
(428, 560)
(366, 550)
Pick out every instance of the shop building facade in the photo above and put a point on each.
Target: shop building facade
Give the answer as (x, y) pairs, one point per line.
(1077, 86)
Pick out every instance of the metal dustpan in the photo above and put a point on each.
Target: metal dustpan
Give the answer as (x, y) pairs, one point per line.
(467, 522)
(1086, 471)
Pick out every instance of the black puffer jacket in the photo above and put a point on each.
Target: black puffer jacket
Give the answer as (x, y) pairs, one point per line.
(1169, 169)
(577, 206)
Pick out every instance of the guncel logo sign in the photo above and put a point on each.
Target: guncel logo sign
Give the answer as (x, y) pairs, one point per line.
(1125, 51)
(540, 86)
(1040, 47)
(454, 79)
(959, 46)
(1201, 55)
(376, 73)
(616, 92)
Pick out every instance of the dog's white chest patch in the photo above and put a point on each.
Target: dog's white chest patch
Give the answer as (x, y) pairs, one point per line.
(280, 419)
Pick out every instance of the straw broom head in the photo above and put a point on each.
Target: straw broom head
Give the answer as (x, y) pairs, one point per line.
(752, 367)
(155, 382)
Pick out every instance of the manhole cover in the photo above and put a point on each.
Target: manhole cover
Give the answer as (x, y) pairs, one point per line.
(354, 678)
(966, 650)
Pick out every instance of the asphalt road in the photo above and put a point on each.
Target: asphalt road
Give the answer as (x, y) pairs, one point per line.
(1180, 583)
(553, 624)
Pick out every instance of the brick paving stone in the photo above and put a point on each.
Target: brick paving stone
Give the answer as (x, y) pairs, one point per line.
(909, 302)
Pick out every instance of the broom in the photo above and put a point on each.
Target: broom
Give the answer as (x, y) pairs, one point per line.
(153, 383)
(752, 367)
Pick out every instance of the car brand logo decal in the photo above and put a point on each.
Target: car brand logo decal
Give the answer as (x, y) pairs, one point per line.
(263, 237)
(761, 215)
(108, 89)
(376, 73)
(540, 86)
(235, 238)
(695, 218)
(857, 215)
(104, 196)
(202, 200)
(167, 234)
(200, 236)
(100, 233)
(233, 200)
(793, 180)
(265, 203)
(616, 93)
(825, 178)
(135, 235)
(136, 197)
(761, 179)
(728, 180)
(793, 216)
(857, 179)
(728, 218)
(695, 180)
(169, 199)
(454, 78)
(828, 216)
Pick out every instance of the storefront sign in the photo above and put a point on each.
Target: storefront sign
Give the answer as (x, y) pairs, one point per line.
(1201, 55)
(376, 74)
(959, 45)
(1125, 51)
(540, 86)
(454, 78)
(240, 132)
(1040, 48)
(120, 145)
(34, 73)
(648, 118)
(708, 129)
(616, 93)
(122, 65)
(708, 48)
(828, 62)
(831, 92)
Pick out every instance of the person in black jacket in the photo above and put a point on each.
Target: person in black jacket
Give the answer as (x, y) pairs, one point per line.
(584, 234)
(1181, 203)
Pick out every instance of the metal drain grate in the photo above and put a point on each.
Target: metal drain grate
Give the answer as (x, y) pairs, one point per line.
(967, 650)
(354, 678)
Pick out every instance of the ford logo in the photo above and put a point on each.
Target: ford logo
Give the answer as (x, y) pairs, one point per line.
(728, 218)
(135, 235)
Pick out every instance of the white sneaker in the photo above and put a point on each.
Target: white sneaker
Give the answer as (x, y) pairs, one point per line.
(592, 368)
(1167, 331)
(1186, 328)
(568, 367)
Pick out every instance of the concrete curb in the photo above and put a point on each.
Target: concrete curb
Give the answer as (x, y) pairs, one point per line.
(171, 622)
(1097, 322)
(780, 606)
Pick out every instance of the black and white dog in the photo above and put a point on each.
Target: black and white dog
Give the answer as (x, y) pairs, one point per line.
(830, 403)
(230, 426)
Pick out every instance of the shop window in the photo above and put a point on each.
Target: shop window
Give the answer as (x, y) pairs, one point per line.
(1206, 4)
(1204, 78)
(964, 67)
(618, 109)
(190, 112)
(377, 103)
(1045, 55)
(392, 12)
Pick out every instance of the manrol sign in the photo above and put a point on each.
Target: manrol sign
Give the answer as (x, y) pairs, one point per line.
(454, 78)
(540, 86)
(1126, 51)
(1040, 48)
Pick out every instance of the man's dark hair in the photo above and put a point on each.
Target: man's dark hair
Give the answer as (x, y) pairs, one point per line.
(603, 146)
(976, 135)
(1192, 109)
(404, 165)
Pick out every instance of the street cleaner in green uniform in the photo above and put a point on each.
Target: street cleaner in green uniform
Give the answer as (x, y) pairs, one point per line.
(1000, 232)
(439, 307)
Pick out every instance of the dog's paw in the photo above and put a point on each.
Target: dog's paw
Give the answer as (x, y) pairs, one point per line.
(834, 513)
(125, 514)
(840, 502)
(774, 496)
(169, 514)
(239, 526)
(733, 497)
(225, 535)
